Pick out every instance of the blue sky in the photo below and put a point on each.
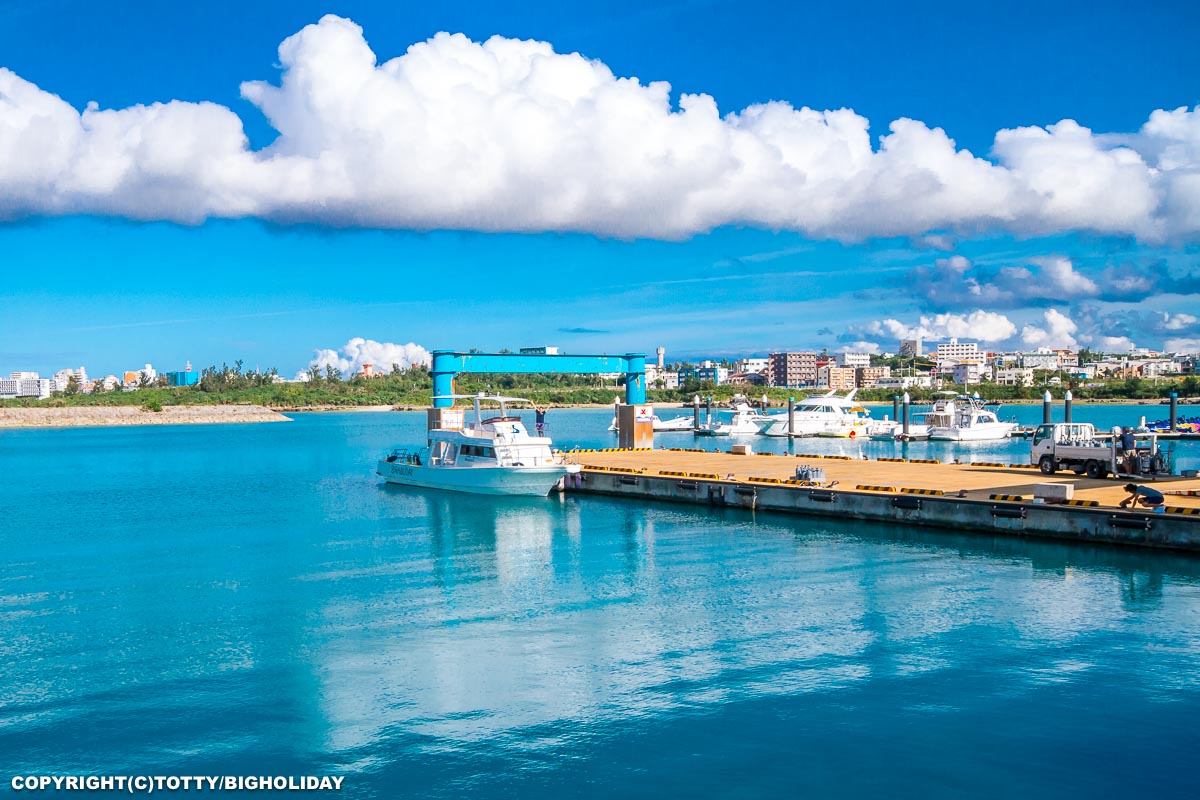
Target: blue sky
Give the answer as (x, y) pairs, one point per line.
(615, 222)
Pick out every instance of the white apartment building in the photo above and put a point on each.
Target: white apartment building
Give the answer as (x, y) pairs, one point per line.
(24, 384)
(853, 360)
(1043, 358)
(968, 372)
(902, 382)
(63, 377)
(753, 365)
(956, 351)
(1013, 376)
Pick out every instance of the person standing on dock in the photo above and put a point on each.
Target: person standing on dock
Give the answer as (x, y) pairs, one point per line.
(540, 418)
(1128, 449)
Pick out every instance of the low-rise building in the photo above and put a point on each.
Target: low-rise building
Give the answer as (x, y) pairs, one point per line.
(24, 384)
(869, 377)
(853, 360)
(1013, 376)
(967, 372)
(832, 377)
(904, 382)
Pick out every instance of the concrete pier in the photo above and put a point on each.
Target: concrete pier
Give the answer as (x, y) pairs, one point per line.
(987, 497)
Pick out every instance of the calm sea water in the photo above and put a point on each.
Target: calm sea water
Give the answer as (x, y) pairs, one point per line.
(246, 600)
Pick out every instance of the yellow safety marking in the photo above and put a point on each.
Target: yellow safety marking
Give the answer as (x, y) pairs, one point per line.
(938, 492)
(866, 488)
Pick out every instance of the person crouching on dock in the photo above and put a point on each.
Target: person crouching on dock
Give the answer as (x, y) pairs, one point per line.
(1143, 496)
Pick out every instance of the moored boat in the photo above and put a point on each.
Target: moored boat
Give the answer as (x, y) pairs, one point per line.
(822, 415)
(493, 455)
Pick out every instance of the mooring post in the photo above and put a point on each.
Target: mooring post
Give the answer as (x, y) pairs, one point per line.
(708, 411)
(696, 412)
(617, 414)
(791, 417)
(1067, 402)
(1174, 412)
(905, 400)
(895, 406)
(1047, 399)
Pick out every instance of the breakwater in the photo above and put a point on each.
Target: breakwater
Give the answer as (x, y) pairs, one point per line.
(103, 416)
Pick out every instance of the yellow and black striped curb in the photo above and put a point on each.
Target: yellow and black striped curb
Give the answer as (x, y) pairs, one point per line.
(898, 460)
(1182, 510)
(756, 479)
(987, 464)
(865, 488)
(1084, 503)
(1012, 497)
(1022, 466)
(923, 461)
(937, 492)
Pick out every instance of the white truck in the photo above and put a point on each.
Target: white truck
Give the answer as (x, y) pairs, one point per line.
(1077, 447)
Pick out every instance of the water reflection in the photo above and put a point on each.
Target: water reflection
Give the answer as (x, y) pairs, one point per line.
(555, 615)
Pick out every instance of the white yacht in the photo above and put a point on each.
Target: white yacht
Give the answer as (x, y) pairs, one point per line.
(746, 422)
(492, 455)
(964, 419)
(822, 415)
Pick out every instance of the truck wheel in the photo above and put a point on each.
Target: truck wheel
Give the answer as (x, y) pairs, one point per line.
(1046, 465)
(1094, 470)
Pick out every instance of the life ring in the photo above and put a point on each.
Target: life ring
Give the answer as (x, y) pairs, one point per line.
(852, 434)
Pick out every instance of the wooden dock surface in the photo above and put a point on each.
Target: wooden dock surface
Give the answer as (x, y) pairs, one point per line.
(977, 481)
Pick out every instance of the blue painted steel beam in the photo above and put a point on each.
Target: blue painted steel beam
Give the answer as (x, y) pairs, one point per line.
(448, 363)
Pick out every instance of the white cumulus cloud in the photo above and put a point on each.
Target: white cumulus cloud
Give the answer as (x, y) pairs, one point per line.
(984, 326)
(383, 355)
(1058, 332)
(509, 135)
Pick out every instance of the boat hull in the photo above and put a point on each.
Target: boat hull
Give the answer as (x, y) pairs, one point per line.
(985, 433)
(521, 481)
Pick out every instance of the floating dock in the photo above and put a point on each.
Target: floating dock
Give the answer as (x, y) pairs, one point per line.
(981, 497)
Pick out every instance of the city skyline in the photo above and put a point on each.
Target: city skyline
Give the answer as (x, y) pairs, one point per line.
(382, 180)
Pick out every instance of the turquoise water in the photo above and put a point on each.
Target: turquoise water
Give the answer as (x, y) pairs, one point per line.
(248, 600)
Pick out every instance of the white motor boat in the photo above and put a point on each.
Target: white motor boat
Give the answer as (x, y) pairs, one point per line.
(673, 425)
(889, 430)
(964, 419)
(822, 415)
(493, 455)
(746, 422)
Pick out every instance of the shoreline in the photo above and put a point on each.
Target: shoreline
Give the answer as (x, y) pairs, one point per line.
(111, 416)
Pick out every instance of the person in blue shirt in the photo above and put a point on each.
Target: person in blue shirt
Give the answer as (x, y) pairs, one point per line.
(1142, 496)
(540, 418)
(1128, 449)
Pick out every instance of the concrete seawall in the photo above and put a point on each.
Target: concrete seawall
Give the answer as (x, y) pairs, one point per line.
(1021, 519)
(103, 416)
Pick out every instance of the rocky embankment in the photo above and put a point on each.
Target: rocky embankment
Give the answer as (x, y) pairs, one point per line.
(92, 416)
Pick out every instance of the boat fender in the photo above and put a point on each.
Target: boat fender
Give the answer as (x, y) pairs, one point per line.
(852, 434)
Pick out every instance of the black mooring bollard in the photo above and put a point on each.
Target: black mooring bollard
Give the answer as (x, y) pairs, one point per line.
(1047, 399)
(1068, 400)
(791, 417)
(1174, 412)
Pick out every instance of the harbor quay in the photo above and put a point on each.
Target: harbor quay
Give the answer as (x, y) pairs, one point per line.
(980, 497)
